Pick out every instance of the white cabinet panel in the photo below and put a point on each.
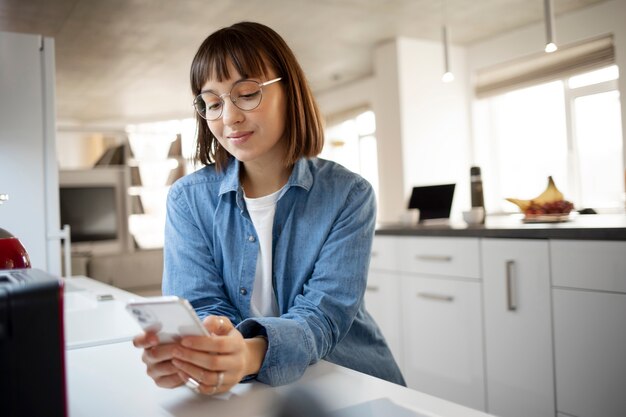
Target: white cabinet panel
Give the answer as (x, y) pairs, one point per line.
(451, 257)
(518, 333)
(385, 253)
(590, 352)
(381, 301)
(599, 265)
(442, 338)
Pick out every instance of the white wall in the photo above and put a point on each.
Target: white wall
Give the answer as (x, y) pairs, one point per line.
(422, 123)
(435, 123)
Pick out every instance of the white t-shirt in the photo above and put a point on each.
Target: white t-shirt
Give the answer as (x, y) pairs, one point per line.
(262, 210)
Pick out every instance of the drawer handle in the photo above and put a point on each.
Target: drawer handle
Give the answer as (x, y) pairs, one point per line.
(372, 288)
(434, 258)
(437, 297)
(511, 295)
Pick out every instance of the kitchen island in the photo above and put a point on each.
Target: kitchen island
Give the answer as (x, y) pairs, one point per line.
(106, 377)
(580, 227)
(511, 318)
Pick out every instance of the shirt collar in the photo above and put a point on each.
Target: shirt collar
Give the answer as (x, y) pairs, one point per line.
(301, 176)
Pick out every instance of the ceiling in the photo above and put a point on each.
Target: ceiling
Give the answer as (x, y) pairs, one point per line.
(120, 61)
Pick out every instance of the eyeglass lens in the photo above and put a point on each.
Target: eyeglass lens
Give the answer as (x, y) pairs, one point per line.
(246, 95)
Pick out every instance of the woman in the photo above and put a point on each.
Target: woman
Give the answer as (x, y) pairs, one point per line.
(269, 244)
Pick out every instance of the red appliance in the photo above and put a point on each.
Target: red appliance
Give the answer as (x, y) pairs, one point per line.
(12, 253)
(32, 347)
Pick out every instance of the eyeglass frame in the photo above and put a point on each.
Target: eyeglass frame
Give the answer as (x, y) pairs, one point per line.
(221, 97)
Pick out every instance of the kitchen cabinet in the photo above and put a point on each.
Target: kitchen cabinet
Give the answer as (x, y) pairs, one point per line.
(514, 326)
(589, 301)
(425, 296)
(449, 257)
(590, 353)
(589, 264)
(518, 332)
(442, 338)
(381, 301)
(382, 292)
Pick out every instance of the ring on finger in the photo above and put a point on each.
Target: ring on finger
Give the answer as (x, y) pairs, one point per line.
(220, 380)
(193, 385)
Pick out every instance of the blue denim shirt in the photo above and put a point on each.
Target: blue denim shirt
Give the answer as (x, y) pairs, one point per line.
(322, 237)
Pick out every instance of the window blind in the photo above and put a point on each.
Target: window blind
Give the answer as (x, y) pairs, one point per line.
(535, 69)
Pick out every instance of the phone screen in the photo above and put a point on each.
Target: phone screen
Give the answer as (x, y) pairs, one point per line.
(169, 317)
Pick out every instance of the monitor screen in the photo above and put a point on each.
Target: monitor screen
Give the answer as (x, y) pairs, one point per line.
(91, 212)
(433, 201)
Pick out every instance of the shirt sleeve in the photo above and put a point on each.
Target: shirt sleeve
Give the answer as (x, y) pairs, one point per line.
(323, 314)
(189, 269)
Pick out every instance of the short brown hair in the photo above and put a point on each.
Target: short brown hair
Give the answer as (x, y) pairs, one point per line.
(252, 47)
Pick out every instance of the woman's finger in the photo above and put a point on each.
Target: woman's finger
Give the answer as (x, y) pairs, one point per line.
(161, 369)
(207, 360)
(170, 381)
(158, 354)
(218, 325)
(210, 382)
(228, 344)
(146, 340)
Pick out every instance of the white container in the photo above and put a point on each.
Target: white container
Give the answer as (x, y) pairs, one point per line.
(476, 215)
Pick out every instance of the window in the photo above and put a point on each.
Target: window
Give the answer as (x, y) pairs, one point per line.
(569, 128)
(351, 142)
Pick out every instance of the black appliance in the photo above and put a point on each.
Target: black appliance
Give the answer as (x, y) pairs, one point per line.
(433, 201)
(32, 368)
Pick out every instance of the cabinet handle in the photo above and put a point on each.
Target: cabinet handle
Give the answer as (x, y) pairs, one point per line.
(438, 297)
(434, 258)
(372, 288)
(511, 295)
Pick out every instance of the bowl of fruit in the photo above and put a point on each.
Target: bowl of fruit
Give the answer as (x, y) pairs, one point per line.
(549, 206)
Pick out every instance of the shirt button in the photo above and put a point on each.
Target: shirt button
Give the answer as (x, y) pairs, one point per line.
(251, 238)
(243, 291)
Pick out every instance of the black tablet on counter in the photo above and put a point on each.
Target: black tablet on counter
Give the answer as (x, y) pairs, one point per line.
(433, 201)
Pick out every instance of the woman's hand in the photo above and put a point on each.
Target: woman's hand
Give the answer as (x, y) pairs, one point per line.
(158, 360)
(217, 362)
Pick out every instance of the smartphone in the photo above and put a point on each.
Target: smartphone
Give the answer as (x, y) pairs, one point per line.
(169, 317)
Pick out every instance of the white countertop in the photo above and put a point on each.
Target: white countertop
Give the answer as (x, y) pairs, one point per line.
(106, 377)
(95, 314)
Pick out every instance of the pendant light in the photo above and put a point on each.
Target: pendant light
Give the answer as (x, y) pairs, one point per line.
(447, 74)
(549, 20)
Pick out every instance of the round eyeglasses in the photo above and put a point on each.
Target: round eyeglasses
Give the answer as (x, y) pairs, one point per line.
(245, 94)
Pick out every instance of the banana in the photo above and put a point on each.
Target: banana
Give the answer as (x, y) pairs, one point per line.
(522, 204)
(550, 194)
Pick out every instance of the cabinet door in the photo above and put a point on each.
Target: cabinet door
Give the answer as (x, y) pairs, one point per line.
(589, 264)
(445, 256)
(518, 333)
(590, 352)
(381, 301)
(442, 338)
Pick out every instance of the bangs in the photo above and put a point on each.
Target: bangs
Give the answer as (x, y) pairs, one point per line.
(226, 46)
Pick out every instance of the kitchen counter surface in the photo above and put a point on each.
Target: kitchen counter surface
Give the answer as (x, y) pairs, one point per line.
(581, 227)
